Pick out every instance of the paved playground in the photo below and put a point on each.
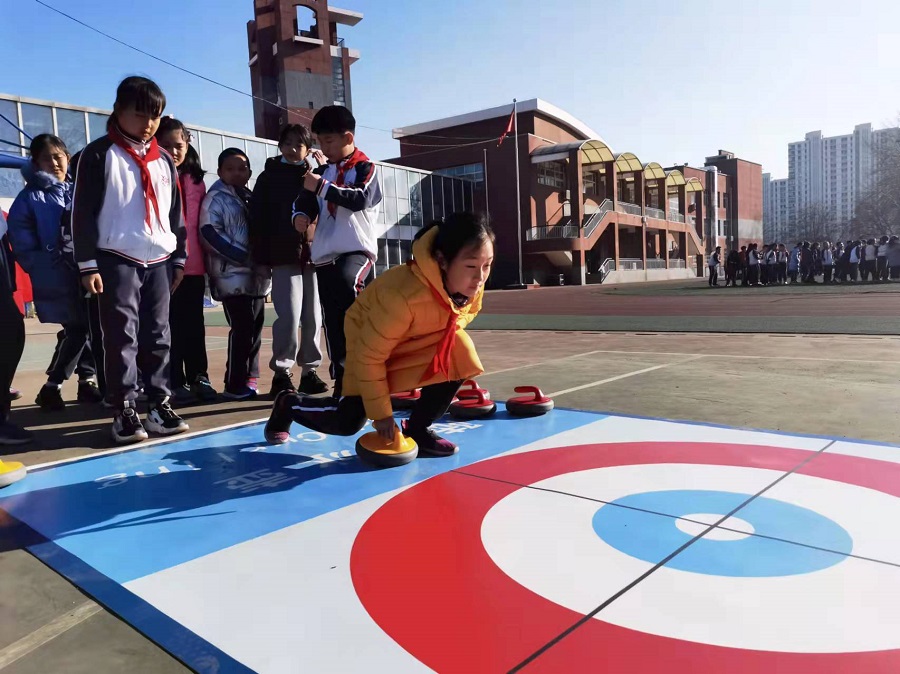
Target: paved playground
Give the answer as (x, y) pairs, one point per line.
(302, 572)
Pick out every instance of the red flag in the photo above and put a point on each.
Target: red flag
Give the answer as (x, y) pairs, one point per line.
(509, 127)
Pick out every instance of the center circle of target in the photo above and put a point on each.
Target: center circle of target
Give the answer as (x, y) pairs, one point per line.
(827, 542)
(695, 524)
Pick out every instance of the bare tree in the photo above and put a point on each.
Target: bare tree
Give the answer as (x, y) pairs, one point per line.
(878, 208)
(816, 223)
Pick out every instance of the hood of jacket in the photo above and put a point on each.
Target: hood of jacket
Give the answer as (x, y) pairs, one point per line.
(427, 268)
(39, 180)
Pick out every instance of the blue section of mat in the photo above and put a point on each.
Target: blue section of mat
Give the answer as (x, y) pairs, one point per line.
(135, 513)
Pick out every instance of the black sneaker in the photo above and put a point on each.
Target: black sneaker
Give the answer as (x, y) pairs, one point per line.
(182, 395)
(282, 382)
(49, 398)
(89, 392)
(278, 427)
(310, 383)
(161, 419)
(10, 434)
(127, 427)
(203, 390)
(14, 394)
(240, 393)
(430, 442)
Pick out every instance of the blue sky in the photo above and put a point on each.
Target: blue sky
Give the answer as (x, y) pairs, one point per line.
(672, 81)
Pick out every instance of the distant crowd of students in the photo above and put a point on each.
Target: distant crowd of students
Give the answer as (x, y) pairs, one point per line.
(871, 260)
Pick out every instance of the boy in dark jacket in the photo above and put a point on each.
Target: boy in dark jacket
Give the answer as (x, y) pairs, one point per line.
(275, 243)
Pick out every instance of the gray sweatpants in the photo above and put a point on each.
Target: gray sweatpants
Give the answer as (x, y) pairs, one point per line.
(295, 297)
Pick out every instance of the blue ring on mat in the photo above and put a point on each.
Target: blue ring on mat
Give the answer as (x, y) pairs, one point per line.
(653, 537)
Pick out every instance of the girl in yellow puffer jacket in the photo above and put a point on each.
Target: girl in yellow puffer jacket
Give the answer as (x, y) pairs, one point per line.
(405, 331)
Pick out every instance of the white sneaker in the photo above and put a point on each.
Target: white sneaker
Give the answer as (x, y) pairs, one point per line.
(162, 419)
(127, 427)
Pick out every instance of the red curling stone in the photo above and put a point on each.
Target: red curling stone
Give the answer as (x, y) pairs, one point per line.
(533, 405)
(472, 405)
(406, 400)
(471, 386)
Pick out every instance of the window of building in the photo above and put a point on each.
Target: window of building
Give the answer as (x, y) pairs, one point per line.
(590, 183)
(71, 127)
(337, 80)
(36, 119)
(415, 199)
(9, 135)
(473, 172)
(552, 174)
(96, 125)
(210, 149)
(305, 23)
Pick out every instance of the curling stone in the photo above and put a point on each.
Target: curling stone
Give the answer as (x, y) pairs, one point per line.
(406, 400)
(471, 386)
(472, 405)
(533, 405)
(11, 471)
(376, 451)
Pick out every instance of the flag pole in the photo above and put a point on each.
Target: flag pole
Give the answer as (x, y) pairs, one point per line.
(518, 192)
(487, 198)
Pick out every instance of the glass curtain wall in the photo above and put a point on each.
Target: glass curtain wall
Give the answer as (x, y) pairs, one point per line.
(412, 198)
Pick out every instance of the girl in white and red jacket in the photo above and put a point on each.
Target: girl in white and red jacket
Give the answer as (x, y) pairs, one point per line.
(128, 236)
(188, 362)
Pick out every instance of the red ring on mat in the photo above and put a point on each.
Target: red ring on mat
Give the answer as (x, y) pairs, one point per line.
(420, 569)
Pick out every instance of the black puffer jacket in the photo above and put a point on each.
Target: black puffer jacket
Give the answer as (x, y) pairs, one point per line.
(273, 239)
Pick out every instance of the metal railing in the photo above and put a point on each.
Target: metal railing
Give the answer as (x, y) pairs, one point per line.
(567, 231)
(597, 217)
(677, 263)
(675, 216)
(625, 207)
(630, 264)
(656, 264)
(657, 213)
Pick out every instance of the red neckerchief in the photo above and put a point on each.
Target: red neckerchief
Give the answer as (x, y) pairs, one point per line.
(343, 166)
(441, 361)
(144, 166)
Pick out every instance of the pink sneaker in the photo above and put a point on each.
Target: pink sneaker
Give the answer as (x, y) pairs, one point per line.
(253, 382)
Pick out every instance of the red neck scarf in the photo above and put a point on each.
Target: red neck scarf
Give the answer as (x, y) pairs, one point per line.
(144, 165)
(342, 167)
(441, 361)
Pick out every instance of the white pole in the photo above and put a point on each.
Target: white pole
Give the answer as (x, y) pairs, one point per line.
(487, 198)
(518, 193)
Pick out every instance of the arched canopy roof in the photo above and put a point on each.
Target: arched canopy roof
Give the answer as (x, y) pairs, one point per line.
(693, 185)
(653, 171)
(675, 178)
(627, 162)
(592, 152)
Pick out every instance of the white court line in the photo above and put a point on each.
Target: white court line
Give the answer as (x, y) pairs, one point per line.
(42, 635)
(680, 353)
(621, 376)
(730, 355)
(543, 362)
(144, 445)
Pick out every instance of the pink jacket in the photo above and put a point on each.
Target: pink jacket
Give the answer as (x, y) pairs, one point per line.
(193, 194)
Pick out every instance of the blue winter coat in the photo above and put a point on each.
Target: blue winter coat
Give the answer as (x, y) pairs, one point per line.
(34, 234)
